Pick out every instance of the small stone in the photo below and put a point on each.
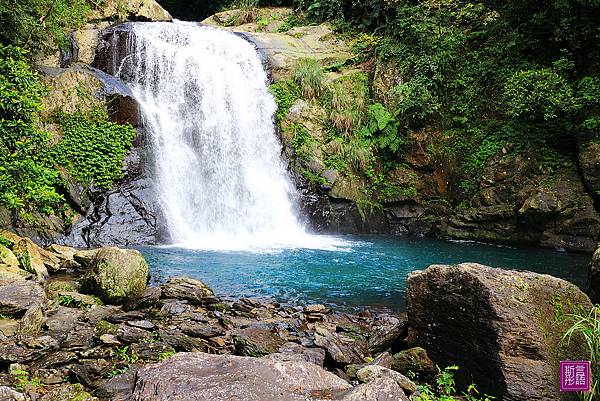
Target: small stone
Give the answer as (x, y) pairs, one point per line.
(371, 372)
(256, 341)
(378, 389)
(18, 296)
(152, 351)
(8, 394)
(130, 334)
(218, 341)
(193, 291)
(181, 342)
(174, 307)
(85, 257)
(149, 299)
(125, 317)
(51, 376)
(318, 308)
(203, 330)
(142, 324)
(414, 360)
(386, 337)
(110, 339)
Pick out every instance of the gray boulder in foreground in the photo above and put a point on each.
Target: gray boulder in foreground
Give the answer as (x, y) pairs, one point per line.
(205, 377)
(503, 328)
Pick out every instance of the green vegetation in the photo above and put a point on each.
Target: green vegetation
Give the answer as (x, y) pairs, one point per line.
(42, 24)
(588, 326)
(166, 355)
(445, 389)
(93, 148)
(70, 302)
(285, 94)
(27, 179)
(309, 76)
(126, 355)
(246, 12)
(23, 380)
(486, 76)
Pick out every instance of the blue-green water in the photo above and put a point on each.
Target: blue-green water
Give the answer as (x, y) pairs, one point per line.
(365, 271)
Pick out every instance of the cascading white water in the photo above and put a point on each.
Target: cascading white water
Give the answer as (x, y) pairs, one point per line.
(206, 105)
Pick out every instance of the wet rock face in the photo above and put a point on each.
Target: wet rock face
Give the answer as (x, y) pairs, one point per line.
(494, 323)
(125, 216)
(214, 377)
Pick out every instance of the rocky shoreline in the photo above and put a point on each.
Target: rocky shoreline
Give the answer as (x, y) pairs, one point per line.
(83, 325)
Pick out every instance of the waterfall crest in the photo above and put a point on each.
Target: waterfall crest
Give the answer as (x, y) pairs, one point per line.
(207, 109)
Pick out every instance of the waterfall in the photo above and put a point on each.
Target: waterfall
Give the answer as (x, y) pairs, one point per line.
(208, 112)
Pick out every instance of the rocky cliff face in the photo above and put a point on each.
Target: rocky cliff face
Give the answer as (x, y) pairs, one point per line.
(519, 201)
(78, 80)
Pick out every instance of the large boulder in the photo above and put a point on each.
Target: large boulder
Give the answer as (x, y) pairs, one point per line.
(594, 277)
(200, 376)
(116, 275)
(502, 328)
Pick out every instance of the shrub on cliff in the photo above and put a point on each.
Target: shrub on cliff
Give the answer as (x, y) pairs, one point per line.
(40, 24)
(27, 179)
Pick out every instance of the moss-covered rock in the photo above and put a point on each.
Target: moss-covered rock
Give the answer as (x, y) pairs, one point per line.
(68, 392)
(116, 275)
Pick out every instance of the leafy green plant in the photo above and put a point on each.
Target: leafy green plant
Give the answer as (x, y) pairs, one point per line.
(70, 302)
(445, 389)
(285, 94)
(23, 380)
(127, 355)
(41, 24)
(5, 242)
(588, 327)
(93, 148)
(27, 179)
(116, 371)
(309, 76)
(166, 355)
(538, 94)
